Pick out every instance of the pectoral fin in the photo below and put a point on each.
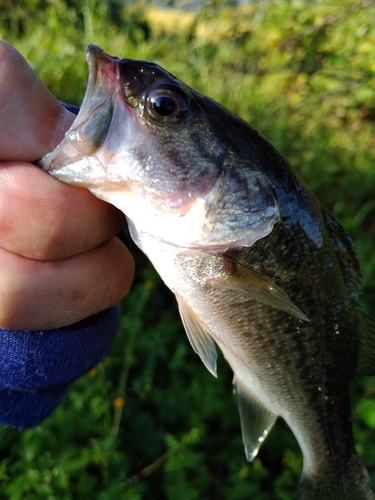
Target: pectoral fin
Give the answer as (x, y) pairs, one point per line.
(198, 335)
(245, 280)
(256, 421)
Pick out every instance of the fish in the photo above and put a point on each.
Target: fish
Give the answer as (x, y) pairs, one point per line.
(258, 266)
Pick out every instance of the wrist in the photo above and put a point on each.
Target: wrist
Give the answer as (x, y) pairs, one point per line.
(36, 367)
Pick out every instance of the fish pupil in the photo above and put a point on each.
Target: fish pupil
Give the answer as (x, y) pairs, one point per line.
(164, 106)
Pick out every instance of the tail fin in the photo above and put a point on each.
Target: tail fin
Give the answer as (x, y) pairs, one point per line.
(351, 484)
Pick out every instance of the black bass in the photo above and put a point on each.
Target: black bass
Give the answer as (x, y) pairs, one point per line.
(257, 265)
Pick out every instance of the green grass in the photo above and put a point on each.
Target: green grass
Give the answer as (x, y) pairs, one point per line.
(301, 72)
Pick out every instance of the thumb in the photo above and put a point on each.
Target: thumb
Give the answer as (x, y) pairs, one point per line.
(32, 121)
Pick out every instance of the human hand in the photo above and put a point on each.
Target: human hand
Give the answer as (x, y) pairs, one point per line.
(60, 261)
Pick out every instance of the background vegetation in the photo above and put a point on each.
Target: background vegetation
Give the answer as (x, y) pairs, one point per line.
(151, 422)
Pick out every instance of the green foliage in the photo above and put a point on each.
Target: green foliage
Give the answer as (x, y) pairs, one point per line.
(151, 422)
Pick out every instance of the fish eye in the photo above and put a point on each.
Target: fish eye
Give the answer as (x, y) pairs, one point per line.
(164, 106)
(167, 103)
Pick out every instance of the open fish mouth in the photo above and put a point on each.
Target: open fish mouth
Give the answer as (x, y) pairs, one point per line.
(103, 86)
(75, 160)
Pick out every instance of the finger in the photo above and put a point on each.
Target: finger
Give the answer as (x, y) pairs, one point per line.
(22, 94)
(44, 295)
(43, 218)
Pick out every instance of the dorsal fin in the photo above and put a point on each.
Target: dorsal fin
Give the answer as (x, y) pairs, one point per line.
(198, 335)
(350, 268)
(366, 349)
(256, 421)
(344, 250)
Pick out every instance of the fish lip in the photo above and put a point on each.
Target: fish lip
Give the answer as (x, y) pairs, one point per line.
(93, 52)
(100, 62)
(93, 55)
(89, 130)
(103, 89)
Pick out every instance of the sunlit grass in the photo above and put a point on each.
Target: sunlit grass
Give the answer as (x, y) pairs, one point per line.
(151, 422)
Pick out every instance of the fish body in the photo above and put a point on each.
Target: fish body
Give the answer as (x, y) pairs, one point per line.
(257, 265)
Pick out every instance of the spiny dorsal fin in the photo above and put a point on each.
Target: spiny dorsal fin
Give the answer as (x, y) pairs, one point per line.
(351, 273)
(243, 279)
(366, 349)
(344, 250)
(256, 421)
(198, 335)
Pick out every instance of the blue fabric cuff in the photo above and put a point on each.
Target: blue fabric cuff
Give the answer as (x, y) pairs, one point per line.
(36, 367)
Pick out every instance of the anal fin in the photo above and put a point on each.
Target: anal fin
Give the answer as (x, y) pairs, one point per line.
(198, 335)
(256, 421)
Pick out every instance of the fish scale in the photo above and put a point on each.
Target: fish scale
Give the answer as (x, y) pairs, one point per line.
(258, 267)
(297, 349)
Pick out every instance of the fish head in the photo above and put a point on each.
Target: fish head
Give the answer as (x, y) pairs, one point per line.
(160, 151)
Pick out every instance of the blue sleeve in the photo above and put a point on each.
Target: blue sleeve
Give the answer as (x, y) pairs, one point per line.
(36, 367)
(70, 107)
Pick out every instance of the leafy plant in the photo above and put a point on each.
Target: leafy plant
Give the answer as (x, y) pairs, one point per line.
(150, 422)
